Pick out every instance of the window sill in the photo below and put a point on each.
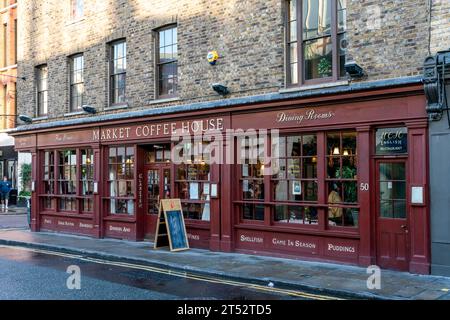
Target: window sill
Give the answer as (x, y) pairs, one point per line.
(116, 107)
(74, 21)
(75, 113)
(314, 86)
(40, 118)
(163, 100)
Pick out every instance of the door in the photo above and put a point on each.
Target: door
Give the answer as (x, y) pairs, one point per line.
(158, 187)
(392, 215)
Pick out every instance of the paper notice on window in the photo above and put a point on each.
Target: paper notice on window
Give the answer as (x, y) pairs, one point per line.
(193, 191)
(389, 185)
(245, 170)
(206, 189)
(245, 185)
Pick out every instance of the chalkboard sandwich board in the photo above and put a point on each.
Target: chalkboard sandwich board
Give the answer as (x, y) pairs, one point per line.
(170, 229)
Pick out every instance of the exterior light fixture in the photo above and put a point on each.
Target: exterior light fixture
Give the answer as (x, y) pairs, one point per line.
(89, 109)
(25, 118)
(354, 70)
(220, 89)
(436, 79)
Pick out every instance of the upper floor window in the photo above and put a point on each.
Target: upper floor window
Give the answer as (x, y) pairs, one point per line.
(167, 62)
(76, 9)
(42, 90)
(76, 82)
(5, 46)
(118, 71)
(316, 40)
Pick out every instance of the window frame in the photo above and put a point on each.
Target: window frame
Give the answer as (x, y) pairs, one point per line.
(126, 179)
(202, 160)
(73, 84)
(112, 74)
(54, 197)
(74, 14)
(334, 35)
(268, 202)
(159, 64)
(39, 69)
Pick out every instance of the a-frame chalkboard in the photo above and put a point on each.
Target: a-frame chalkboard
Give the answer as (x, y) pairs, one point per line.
(170, 228)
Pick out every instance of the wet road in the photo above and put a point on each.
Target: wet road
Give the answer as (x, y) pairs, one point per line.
(37, 274)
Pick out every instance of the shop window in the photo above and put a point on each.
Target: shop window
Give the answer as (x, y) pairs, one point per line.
(294, 180)
(193, 179)
(73, 193)
(342, 179)
(67, 180)
(158, 153)
(315, 30)
(87, 180)
(48, 180)
(121, 180)
(252, 178)
(167, 62)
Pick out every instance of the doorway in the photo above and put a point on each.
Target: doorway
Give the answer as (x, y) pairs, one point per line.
(157, 170)
(393, 240)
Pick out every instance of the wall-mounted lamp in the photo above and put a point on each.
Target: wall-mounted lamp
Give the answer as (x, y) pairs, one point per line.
(436, 78)
(354, 70)
(25, 119)
(220, 89)
(89, 109)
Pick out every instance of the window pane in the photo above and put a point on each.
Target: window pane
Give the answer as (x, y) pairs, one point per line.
(316, 18)
(342, 15)
(293, 52)
(318, 58)
(281, 190)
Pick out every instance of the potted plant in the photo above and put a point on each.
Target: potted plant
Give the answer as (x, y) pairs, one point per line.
(350, 190)
(24, 195)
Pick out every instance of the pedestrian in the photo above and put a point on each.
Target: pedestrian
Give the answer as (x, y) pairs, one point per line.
(5, 188)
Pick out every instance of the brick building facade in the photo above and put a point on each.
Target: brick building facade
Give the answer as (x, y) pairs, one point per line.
(8, 74)
(264, 70)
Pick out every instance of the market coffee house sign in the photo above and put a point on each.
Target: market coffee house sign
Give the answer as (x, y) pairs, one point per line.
(159, 129)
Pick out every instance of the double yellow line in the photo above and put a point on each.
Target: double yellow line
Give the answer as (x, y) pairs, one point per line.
(181, 274)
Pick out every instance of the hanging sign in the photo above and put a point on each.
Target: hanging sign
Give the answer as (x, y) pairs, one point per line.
(391, 141)
(170, 229)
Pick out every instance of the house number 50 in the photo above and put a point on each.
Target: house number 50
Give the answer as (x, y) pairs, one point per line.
(364, 187)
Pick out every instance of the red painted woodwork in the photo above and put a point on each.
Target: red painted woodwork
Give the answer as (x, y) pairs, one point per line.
(362, 112)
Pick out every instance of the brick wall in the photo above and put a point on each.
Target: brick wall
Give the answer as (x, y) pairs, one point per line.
(440, 26)
(249, 36)
(8, 70)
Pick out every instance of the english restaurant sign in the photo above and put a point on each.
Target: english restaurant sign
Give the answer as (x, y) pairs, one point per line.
(391, 141)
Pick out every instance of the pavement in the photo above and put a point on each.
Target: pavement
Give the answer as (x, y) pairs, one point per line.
(324, 278)
(12, 211)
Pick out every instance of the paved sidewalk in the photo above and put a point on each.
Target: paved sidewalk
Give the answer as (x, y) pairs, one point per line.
(316, 277)
(13, 210)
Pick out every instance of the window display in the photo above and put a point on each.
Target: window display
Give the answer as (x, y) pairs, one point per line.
(121, 180)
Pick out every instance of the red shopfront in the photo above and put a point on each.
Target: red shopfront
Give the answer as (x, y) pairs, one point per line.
(349, 180)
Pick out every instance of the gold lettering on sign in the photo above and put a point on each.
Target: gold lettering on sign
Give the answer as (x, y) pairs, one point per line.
(309, 115)
(167, 128)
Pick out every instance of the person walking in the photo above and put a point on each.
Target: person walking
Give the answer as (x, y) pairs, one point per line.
(5, 188)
